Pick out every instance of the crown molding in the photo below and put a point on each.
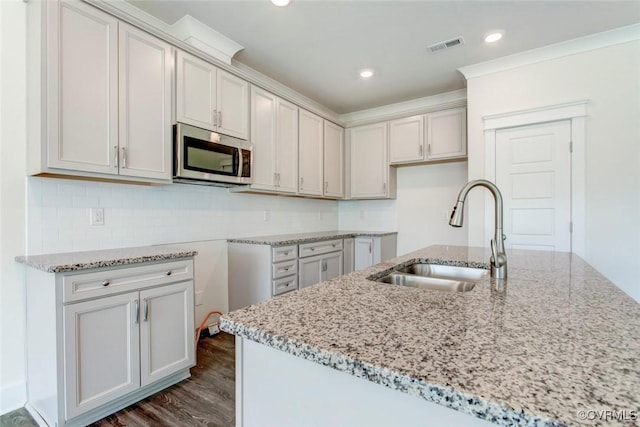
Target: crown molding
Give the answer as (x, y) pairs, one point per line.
(554, 51)
(547, 113)
(205, 38)
(443, 101)
(139, 18)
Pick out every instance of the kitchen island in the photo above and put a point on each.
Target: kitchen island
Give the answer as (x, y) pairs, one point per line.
(558, 345)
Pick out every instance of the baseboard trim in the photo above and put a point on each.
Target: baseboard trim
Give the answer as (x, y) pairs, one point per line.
(12, 397)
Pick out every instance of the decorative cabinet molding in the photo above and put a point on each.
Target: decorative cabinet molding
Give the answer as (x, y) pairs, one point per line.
(333, 161)
(310, 154)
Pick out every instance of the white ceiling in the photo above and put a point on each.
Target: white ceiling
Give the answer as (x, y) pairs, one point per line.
(318, 47)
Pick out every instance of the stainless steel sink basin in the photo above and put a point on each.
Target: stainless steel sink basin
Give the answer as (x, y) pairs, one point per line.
(435, 276)
(452, 272)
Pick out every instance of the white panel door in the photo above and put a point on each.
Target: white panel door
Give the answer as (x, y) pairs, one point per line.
(145, 104)
(533, 172)
(232, 105)
(82, 88)
(101, 348)
(406, 139)
(286, 146)
(333, 160)
(369, 166)
(166, 331)
(263, 137)
(331, 266)
(310, 153)
(195, 91)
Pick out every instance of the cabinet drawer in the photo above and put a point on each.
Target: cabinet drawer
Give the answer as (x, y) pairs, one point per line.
(317, 248)
(284, 268)
(110, 281)
(284, 253)
(284, 285)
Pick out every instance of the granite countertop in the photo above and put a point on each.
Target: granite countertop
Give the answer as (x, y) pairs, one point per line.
(294, 239)
(74, 261)
(560, 339)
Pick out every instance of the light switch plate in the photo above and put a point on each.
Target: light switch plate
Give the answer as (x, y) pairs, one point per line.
(96, 216)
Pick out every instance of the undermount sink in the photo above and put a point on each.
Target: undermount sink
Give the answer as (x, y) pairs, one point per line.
(436, 276)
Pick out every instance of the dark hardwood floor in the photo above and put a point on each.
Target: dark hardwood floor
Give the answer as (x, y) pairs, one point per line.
(205, 399)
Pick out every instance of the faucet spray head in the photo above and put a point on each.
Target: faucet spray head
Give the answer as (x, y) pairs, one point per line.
(457, 215)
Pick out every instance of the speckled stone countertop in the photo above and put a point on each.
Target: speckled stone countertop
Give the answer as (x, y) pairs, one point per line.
(73, 261)
(558, 340)
(294, 239)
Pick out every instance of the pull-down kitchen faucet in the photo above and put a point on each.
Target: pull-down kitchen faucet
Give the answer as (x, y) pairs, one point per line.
(498, 256)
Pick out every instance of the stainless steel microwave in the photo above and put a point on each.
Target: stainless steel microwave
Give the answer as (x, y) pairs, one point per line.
(204, 157)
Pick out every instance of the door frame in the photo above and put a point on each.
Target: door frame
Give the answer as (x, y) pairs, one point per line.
(576, 113)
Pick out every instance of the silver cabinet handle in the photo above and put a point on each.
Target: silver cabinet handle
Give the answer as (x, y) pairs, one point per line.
(116, 156)
(275, 179)
(369, 247)
(106, 283)
(219, 118)
(124, 157)
(301, 182)
(146, 310)
(384, 187)
(137, 315)
(278, 179)
(215, 117)
(326, 186)
(285, 253)
(168, 273)
(421, 150)
(429, 149)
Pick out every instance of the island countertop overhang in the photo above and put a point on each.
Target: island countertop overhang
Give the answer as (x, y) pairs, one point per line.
(560, 339)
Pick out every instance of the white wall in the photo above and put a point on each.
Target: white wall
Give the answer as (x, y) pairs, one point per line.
(609, 79)
(420, 214)
(12, 202)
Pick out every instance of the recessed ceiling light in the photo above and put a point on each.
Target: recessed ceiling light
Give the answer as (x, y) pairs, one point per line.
(365, 74)
(493, 36)
(281, 3)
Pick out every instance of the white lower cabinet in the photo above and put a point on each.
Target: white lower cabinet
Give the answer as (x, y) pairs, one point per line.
(348, 255)
(316, 269)
(115, 336)
(371, 250)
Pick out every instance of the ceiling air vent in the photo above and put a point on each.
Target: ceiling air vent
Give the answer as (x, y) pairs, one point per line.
(448, 44)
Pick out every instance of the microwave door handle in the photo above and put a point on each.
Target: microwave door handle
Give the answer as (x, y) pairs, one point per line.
(240, 161)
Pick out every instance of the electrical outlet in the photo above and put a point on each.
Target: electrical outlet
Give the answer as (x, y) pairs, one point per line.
(199, 295)
(266, 215)
(96, 216)
(213, 329)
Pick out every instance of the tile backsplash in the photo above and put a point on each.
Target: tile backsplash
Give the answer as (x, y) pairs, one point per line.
(59, 214)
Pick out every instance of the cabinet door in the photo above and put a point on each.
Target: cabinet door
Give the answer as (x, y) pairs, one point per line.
(82, 84)
(331, 266)
(369, 165)
(232, 105)
(406, 139)
(287, 146)
(195, 91)
(263, 137)
(333, 160)
(310, 153)
(447, 134)
(166, 331)
(101, 348)
(309, 271)
(363, 253)
(145, 64)
(348, 255)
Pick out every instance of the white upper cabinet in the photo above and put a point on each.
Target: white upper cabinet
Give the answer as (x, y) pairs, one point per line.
(447, 134)
(406, 139)
(145, 65)
(370, 175)
(333, 160)
(274, 130)
(82, 88)
(311, 154)
(108, 97)
(210, 98)
(440, 135)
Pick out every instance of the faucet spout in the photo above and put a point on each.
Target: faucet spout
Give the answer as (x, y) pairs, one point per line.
(498, 255)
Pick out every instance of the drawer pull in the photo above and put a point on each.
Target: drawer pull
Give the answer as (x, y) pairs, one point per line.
(146, 310)
(106, 283)
(168, 273)
(285, 253)
(137, 316)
